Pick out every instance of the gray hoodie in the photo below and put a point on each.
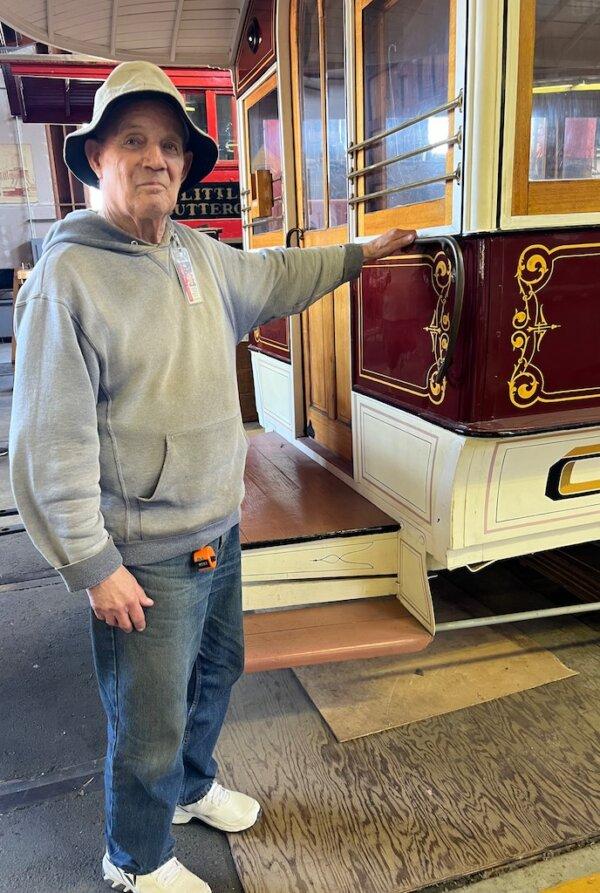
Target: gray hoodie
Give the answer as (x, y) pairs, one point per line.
(126, 441)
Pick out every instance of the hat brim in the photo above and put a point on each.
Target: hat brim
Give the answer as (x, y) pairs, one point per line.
(205, 151)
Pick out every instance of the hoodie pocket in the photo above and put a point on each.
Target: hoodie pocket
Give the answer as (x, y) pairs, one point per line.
(201, 480)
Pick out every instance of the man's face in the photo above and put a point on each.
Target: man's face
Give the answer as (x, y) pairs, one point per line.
(140, 160)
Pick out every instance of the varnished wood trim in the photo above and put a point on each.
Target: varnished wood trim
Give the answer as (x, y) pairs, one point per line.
(260, 92)
(294, 62)
(333, 433)
(275, 238)
(324, 129)
(522, 135)
(419, 216)
(563, 196)
(267, 240)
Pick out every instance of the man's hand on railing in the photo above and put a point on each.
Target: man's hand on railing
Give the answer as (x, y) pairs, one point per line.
(389, 243)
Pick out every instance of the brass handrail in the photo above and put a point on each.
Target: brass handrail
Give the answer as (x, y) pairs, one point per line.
(453, 104)
(449, 141)
(455, 175)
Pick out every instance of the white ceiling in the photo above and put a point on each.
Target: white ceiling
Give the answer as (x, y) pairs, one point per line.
(167, 32)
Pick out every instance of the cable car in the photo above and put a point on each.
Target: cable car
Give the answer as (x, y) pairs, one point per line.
(457, 385)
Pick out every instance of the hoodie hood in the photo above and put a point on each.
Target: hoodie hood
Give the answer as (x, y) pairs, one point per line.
(87, 227)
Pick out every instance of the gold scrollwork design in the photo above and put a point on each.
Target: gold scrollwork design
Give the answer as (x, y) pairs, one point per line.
(530, 326)
(440, 269)
(438, 328)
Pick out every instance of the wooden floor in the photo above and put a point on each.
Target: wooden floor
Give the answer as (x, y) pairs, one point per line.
(290, 498)
(446, 798)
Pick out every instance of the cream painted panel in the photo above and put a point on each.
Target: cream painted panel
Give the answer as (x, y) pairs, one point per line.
(506, 493)
(516, 494)
(274, 394)
(409, 468)
(413, 583)
(280, 594)
(356, 556)
(398, 459)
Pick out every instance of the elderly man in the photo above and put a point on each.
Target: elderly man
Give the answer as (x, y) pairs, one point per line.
(127, 454)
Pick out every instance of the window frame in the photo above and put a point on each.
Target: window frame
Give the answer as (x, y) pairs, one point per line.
(528, 203)
(274, 237)
(441, 215)
(227, 162)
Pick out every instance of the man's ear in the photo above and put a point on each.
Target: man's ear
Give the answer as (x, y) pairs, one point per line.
(187, 163)
(93, 149)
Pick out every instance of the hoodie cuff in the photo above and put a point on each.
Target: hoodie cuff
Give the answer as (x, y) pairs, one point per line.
(93, 570)
(353, 261)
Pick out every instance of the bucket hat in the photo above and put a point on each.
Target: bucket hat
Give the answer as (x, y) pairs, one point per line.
(148, 80)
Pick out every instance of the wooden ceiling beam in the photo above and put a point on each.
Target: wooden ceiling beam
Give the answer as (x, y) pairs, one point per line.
(175, 32)
(113, 27)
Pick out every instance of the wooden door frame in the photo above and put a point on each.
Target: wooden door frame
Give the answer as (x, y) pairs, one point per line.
(276, 237)
(537, 204)
(327, 235)
(540, 196)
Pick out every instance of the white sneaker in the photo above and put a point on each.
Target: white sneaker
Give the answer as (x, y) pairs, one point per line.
(171, 876)
(222, 809)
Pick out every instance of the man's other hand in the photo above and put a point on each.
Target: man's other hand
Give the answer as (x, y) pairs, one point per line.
(389, 243)
(120, 601)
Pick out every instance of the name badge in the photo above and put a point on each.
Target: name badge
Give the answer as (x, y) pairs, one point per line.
(186, 275)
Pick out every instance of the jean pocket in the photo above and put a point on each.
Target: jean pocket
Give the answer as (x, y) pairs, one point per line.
(200, 482)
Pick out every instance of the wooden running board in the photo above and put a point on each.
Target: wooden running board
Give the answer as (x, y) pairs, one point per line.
(373, 627)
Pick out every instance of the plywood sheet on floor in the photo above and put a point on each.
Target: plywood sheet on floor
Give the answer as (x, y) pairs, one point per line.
(423, 804)
(459, 669)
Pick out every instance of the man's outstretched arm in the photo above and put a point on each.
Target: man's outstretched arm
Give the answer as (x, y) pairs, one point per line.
(277, 282)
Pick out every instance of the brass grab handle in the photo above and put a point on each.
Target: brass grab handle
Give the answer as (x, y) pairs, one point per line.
(290, 233)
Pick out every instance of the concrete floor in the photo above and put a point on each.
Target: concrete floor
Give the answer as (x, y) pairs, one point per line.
(52, 742)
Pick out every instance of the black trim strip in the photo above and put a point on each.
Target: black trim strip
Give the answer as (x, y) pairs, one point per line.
(7, 531)
(463, 427)
(317, 537)
(25, 792)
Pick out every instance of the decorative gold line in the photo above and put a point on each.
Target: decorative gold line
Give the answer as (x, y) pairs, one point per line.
(273, 343)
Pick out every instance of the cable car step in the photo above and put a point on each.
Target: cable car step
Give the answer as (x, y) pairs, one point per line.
(339, 631)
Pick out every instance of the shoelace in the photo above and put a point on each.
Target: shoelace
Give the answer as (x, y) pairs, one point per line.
(218, 795)
(169, 872)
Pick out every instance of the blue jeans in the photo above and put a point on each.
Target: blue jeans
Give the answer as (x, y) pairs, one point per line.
(165, 692)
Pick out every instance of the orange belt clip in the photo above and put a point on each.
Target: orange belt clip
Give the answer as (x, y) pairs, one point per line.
(205, 559)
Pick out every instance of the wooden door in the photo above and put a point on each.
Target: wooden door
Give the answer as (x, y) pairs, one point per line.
(319, 109)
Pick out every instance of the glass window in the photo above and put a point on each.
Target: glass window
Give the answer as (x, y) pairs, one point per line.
(337, 145)
(405, 70)
(310, 113)
(195, 104)
(565, 117)
(226, 127)
(265, 154)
